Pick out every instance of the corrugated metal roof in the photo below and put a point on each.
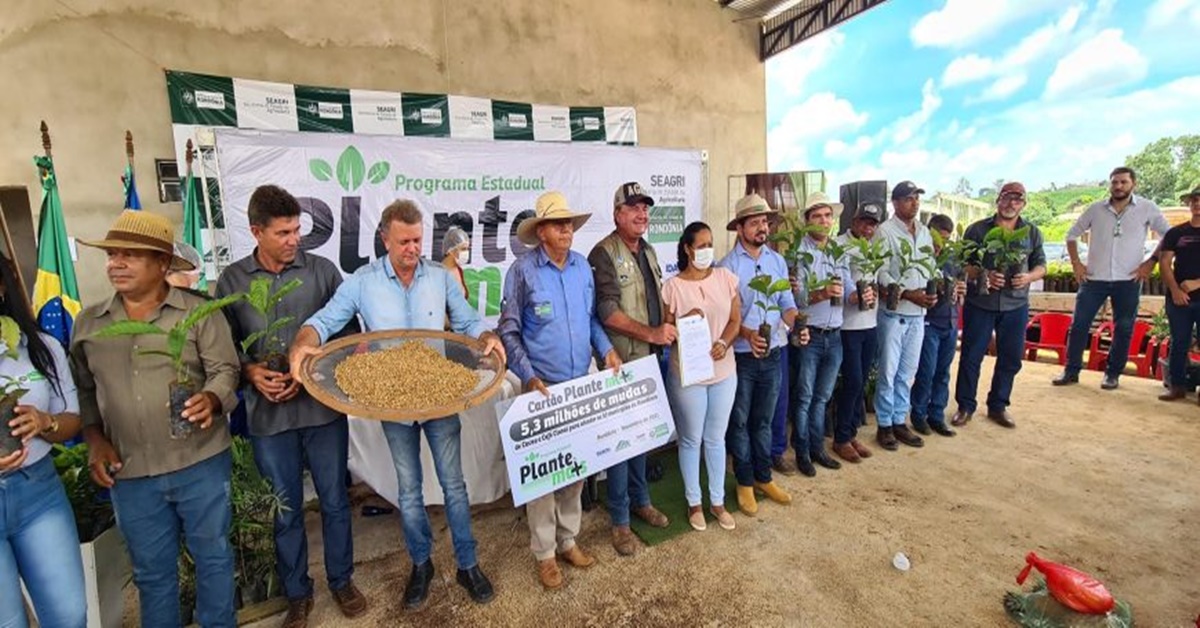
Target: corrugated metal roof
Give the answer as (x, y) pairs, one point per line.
(785, 23)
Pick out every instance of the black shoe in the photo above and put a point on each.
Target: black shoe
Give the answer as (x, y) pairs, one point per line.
(1109, 382)
(806, 467)
(941, 428)
(417, 589)
(476, 584)
(1065, 379)
(921, 427)
(824, 460)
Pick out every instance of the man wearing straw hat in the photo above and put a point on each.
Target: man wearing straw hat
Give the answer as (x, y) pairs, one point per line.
(161, 486)
(749, 433)
(403, 291)
(549, 293)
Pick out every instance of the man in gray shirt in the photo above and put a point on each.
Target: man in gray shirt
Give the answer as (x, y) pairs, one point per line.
(1115, 270)
(288, 428)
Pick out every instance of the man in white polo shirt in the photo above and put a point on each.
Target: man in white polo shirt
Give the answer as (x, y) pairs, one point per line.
(1116, 228)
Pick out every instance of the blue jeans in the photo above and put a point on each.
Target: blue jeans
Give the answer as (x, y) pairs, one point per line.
(931, 390)
(819, 364)
(703, 418)
(1183, 324)
(749, 434)
(627, 489)
(404, 440)
(978, 325)
(788, 361)
(1088, 301)
(38, 544)
(151, 513)
(281, 458)
(858, 355)
(900, 338)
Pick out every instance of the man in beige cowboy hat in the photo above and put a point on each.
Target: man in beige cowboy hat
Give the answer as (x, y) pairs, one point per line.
(757, 356)
(549, 302)
(161, 486)
(629, 303)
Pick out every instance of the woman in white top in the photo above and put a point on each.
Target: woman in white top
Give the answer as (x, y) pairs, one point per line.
(38, 540)
(704, 407)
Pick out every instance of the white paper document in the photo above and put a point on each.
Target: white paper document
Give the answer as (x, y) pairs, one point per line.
(695, 345)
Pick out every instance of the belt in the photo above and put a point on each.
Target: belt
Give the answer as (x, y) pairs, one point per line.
(823, 331)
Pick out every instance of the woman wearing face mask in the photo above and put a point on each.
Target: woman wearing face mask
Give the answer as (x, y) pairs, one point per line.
(456, 252)
(704, 407)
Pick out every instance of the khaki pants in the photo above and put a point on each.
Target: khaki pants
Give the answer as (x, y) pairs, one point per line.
(554, 520)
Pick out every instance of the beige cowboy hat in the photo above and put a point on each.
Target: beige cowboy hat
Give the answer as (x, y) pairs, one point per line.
(143, 231)
(550, 206)
(817, 199)
(748, 206)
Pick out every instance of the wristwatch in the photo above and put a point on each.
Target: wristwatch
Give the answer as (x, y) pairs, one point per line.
(53, 427)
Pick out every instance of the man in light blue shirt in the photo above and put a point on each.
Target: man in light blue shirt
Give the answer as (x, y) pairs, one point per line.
(902, 330)
(403, 291)
(821, 358)
(749, 434)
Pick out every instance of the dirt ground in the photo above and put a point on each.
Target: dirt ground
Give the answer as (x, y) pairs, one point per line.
(1103, 481)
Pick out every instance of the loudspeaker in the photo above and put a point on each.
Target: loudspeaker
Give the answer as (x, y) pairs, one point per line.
(19, 232)
(859, 193)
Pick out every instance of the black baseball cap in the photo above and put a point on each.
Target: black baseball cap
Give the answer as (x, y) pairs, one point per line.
(870, 211)
(905, 189)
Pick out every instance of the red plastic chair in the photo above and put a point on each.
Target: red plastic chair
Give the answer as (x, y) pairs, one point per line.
(1164, 352)
(1053, 329)
(1098, 358)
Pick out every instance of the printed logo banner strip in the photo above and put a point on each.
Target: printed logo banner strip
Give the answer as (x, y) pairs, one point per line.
(344, 182)
(585, 426)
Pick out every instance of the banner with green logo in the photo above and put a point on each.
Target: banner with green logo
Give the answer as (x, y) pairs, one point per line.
(343, 183)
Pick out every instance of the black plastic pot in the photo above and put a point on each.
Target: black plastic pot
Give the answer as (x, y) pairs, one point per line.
(893, 296)
(277, 362)
(764, 332)
(835, 300)
(1012, 271)
(8, 405)
(798, 328)
(981, 283)
(179, 394)
(862, 286)
(933, 287)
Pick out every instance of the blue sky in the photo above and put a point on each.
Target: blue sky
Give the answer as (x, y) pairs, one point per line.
(1039, 91)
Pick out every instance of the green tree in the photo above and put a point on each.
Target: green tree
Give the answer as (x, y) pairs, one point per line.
(1167, 167)
(964, 188)
(1039, 210)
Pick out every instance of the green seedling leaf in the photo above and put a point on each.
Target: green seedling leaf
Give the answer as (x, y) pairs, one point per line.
(320, 169)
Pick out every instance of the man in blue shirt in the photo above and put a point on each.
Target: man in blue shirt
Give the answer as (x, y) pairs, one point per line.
(931, 389)
(403, 291)
(749, 434)
(821, 359)
(549, 326)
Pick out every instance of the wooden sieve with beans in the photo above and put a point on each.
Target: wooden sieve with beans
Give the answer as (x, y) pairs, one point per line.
(409, 375)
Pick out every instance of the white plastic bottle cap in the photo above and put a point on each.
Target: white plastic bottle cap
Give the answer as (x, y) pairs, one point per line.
(900, 561)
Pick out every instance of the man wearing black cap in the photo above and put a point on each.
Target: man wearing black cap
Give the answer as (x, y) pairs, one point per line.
(901, 331)
(858, 345)
(629, 304)
(1004, 310)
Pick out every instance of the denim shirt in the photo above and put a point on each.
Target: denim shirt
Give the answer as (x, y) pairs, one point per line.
(824, 315)
(548, 320)
(739, 262)
(376, 294)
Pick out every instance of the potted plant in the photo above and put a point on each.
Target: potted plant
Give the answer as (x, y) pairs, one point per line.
(869, 257)
(259, 297)
(834, 252)
(11, 388)
(1006, 249)
(909, 262)
(182, 388)
(789, 236)
(953, 254)
(767, 288)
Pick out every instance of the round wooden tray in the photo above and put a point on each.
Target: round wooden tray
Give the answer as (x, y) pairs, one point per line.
(316, 373)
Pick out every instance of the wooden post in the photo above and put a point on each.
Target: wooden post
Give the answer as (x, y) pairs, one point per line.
(129, 146)
(189, 155)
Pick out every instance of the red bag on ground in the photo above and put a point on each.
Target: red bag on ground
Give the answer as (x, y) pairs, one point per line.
(1073, 588)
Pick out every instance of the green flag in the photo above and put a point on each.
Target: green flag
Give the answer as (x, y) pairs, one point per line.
(193, 224)
(55, 293)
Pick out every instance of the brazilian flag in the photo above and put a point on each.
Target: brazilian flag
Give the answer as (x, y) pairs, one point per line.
(193, 223)
(55, 292)
(132, 201)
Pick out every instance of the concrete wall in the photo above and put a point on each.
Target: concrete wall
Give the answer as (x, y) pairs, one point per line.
(93, 68)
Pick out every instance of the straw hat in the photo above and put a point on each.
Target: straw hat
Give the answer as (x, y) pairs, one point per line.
(143, 231)
(748, 206)
(550, 206)
(817, 199)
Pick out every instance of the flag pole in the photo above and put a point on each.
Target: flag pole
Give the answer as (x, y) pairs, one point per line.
(129, 147)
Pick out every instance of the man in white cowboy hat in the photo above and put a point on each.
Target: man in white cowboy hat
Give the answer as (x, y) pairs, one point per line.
(629, 303)
(749, 434)
(161, 486)
(549, 327)
(822, 282)
(403, 291)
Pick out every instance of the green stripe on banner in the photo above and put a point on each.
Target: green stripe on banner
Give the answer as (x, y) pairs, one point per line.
(324, 109)
(201, 99)
(426, 114)
(512, 120)
(587, 124)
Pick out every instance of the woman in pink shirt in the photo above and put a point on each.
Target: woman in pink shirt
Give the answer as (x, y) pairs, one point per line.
(704, 407)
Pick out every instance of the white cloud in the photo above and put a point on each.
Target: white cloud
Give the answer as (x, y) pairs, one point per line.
(1008, 69)
(789, 71)
(967, 69)
(1002, 88)
(1174, 14)
(1101, 64)
(837, 149)
(907, 127)
(960, 23)
(819, 117)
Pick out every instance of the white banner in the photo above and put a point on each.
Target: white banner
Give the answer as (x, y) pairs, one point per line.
(486, 188)
(585, 426)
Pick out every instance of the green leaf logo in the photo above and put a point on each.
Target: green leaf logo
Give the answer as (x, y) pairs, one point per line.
(378, 172)
(320, 169)
(351, 169)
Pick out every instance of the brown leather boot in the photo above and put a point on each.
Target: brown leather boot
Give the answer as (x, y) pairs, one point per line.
(577, 558)
(623, 540)
(862, 450)
(549, 573)
(297, 613)
(886, 438)
(902, 434)
(847, 452)
(350, 601)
